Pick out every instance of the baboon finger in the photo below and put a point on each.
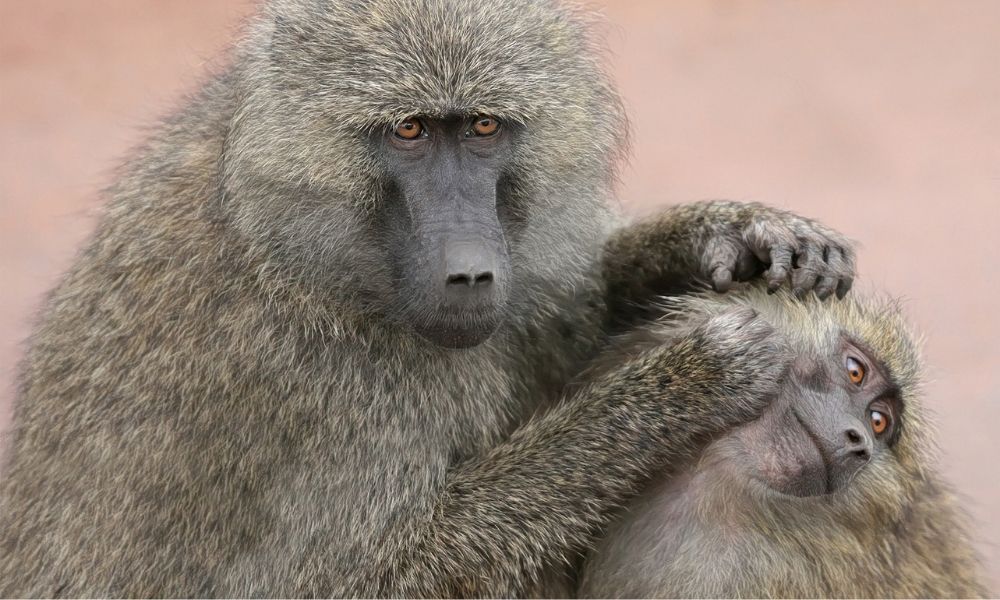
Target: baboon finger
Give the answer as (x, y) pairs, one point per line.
(825, 287)
(774, 244)
(846, 271)
(721, 257)
(828, 279)
(781, 266)
(808, 267)
(844, 286)
(836, 269)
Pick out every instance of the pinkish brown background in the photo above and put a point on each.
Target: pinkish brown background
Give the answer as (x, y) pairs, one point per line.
(880, 118)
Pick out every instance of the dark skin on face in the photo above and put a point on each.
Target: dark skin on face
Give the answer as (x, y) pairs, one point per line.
(834, 414)
(446, 238)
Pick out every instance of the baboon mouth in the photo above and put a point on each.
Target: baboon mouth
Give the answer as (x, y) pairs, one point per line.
(455, 332)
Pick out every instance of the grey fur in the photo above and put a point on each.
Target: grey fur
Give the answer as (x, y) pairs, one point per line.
(705, 530)
(220, 398)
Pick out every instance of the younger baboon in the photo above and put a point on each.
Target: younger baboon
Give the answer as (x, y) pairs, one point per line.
(830, 493)
(301, 353)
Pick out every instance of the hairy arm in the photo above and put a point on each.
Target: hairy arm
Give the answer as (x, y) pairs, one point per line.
(720, 242)
(539, 497)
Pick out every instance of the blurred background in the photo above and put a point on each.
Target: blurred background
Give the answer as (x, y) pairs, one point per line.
(880, 118)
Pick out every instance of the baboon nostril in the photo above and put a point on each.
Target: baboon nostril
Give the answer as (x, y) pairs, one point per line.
(459, 280)
(857, 443)
(471, 265)
(468, 280)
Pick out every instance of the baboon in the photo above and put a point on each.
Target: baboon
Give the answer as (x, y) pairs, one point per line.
(309, 349)
(830, 493)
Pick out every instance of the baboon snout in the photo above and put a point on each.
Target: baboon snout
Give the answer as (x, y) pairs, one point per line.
(856, 448)
(469, 269)
(459, 294)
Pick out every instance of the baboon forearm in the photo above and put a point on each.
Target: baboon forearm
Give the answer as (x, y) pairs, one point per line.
(662, 254)
(540, 497)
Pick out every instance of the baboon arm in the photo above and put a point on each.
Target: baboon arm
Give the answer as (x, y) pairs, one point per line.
(719, 242)
(539, 497)
(660, 254)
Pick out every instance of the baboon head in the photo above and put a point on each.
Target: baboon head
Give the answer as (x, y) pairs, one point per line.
(836, 430)
(430, 161)
(839, 411)
(831, 492)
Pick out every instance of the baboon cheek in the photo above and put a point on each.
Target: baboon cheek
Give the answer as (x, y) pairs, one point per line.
(784, 456)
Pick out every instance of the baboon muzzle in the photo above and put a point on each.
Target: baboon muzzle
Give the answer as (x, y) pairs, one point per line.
(463, 270)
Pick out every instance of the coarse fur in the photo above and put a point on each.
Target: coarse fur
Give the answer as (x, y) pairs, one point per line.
(896, 530)
(221, 397)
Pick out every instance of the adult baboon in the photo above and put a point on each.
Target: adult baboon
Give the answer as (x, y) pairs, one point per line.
(300, 355)
(830, 493)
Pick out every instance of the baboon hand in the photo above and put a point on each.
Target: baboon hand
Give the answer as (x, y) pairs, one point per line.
(781, 247)
(739, 360)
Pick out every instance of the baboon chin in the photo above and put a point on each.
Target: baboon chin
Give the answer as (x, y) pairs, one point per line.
(829, 493)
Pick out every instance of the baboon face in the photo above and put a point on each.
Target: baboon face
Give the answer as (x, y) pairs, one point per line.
(835, 414)
(448, 251)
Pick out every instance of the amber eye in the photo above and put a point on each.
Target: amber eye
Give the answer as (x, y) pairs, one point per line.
(855, 370)
(485, 125)
(879, 420)
(409, 129)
